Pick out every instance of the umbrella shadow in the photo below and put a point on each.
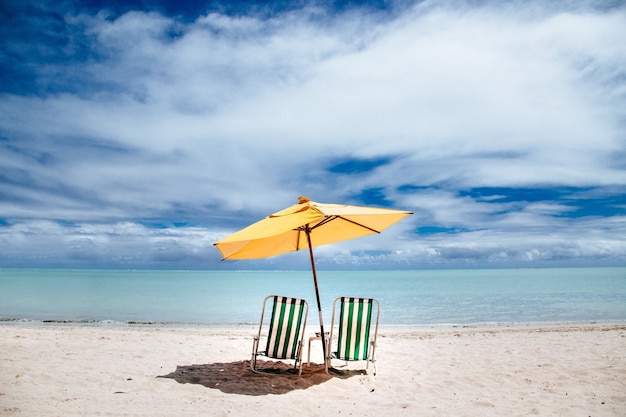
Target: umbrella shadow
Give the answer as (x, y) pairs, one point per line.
(238, 378)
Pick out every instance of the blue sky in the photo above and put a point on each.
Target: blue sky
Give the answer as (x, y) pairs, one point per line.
(135, 134)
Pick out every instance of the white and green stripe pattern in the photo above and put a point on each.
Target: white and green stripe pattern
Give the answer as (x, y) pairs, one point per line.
(354, 328)
(284, 331)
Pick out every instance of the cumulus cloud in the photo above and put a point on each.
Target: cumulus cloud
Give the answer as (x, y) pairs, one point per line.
(182, 130)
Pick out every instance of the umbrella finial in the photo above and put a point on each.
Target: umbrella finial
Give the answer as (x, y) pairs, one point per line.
(303, 199)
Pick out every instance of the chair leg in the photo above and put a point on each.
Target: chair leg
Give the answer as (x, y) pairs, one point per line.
(327, 360)
(255, 345)
(299, 358)
(373, 355)
(295, 362)
(308, 362)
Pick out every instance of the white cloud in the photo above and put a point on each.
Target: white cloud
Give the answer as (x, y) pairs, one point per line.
(223, 116)
(126, 244)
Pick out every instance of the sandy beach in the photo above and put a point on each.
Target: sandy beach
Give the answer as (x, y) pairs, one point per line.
(95, 371)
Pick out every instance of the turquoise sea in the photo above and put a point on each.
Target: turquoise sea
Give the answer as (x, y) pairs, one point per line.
(423, 298)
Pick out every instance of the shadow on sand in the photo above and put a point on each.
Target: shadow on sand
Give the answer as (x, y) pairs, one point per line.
(238, 378)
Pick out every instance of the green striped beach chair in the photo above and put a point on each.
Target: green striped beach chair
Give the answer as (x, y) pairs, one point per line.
(354, 339)
(285, 331)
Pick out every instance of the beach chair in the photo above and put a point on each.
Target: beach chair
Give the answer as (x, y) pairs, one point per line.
(354, 339)
(284, 332)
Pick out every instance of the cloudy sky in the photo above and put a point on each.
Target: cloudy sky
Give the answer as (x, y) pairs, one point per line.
(135, 134)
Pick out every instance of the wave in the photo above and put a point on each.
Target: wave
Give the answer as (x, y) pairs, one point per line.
(115, 323)
(186, 325)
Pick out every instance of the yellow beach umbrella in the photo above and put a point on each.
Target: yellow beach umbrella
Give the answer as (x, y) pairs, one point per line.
(306, 225)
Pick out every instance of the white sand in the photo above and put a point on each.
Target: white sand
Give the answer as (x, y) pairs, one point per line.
(87, 371)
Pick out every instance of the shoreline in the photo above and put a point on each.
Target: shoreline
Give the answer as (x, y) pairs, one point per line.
(152, 371)
(174, 325)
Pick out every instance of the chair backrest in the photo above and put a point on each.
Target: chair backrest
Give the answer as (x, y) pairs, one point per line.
(353, 336)
(286, 325)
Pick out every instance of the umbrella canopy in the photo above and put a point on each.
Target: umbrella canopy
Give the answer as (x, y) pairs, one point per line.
(306, 225)
(286, 230)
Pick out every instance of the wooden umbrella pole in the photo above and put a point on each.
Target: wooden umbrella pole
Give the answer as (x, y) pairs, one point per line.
(317, 292)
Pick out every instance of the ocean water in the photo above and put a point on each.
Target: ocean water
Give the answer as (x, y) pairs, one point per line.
(422, 298)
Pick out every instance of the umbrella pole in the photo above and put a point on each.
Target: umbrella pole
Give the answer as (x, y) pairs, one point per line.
(317, 292)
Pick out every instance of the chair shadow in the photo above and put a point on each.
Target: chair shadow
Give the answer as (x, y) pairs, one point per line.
(238, 378)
